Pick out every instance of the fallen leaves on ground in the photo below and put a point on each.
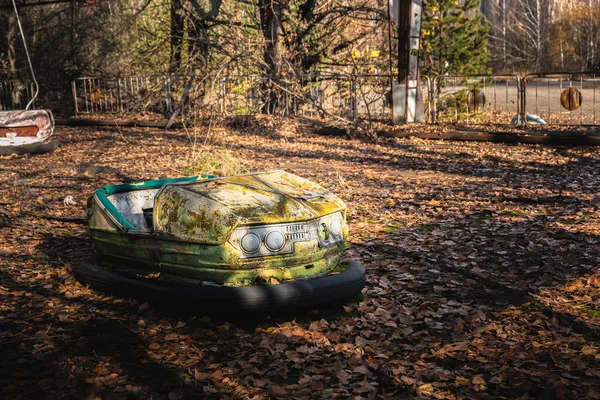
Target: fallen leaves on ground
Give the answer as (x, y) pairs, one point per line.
(482, 275)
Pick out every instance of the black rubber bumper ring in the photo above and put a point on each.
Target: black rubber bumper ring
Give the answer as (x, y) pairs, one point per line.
(289, 296)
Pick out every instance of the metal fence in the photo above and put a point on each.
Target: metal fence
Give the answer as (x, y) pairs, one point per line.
(476, 99)
(563, 98)
(120, 95)
(352, 97)
(556, 98)
(14, 95)
(570, 99)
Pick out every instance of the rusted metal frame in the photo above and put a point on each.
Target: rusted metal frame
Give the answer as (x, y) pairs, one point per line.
(135, 89)
(168, 96)
(24, 88)
(107, 100)
(119, 96)
(594, 100)
(86, 83)
(163, 79)
(521, 102)
(246, 96)
(468, 108)
(97, 106)
(430, 108)
(353, 99)
(74, 94)
(110, 100)
(222, 91)
(337, 77)
(456, 107)
(436, 86)
(434, 95)
(559, 75)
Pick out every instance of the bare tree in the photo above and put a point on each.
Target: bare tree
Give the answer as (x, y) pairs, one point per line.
(520, 33)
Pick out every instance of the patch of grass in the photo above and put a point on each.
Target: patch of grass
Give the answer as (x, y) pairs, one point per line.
(426, 227)
(514, 213)
(217, 162)
(391, 228)
(591, 312)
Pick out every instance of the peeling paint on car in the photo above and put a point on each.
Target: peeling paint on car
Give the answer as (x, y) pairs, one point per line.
(193, 221)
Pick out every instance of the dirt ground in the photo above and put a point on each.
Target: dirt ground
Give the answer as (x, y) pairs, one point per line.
(482, 275)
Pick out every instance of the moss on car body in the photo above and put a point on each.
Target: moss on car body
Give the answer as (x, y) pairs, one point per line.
(195, 227)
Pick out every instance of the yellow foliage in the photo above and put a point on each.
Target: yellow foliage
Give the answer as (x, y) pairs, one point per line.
(369, 54)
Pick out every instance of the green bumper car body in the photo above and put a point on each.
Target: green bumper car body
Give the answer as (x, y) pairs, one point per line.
(260, 229)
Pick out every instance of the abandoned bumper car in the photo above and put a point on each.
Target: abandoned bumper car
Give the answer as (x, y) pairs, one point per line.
(260, 242)
(26, 131)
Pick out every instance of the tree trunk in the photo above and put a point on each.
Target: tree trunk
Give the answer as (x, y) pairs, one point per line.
(200, 24)
(11, 38)
(177, 30)
(270, 23)
(198, 45)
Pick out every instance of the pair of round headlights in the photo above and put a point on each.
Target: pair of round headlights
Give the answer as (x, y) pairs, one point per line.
(274, 241)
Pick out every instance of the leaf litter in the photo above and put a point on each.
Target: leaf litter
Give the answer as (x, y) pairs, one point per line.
(482, 275)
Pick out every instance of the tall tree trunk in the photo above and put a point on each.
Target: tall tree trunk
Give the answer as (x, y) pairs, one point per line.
(592, 32)
(270, 23)
(538, 37)
(198, 46)
(177, 30)
(201, 22)
(11, 38)
(504, 50)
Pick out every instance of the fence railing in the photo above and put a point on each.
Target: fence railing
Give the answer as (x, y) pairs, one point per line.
(120, 95)
(476, 99)
(553, 98)
(563, 98)
(365, 96)
(14, 95)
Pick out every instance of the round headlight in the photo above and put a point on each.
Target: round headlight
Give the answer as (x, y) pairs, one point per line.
(250, 242)
(336, 227)
(275, 240)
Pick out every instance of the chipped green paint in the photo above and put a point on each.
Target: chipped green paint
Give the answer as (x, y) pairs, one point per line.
(193, 221)
(219, 264)
(184, 215)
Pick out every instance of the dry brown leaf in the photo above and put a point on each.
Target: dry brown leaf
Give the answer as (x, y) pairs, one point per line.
(278, 391)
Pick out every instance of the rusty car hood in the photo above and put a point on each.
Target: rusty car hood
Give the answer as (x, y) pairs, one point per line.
(208, 211)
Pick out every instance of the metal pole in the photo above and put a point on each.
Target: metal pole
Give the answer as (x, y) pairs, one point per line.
(391, 96)
(409, 30)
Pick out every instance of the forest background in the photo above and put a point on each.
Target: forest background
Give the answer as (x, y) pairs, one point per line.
(286, 40)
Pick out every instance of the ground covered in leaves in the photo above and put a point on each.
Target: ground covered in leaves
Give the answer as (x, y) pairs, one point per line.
(482, 275)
